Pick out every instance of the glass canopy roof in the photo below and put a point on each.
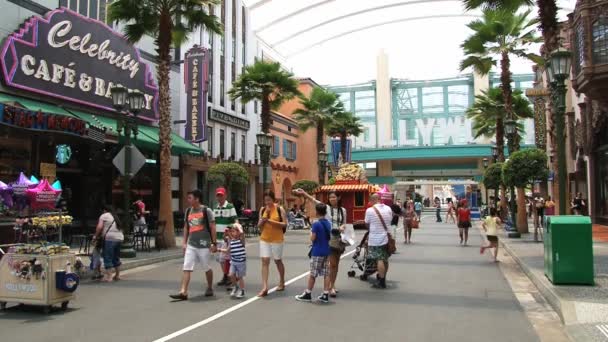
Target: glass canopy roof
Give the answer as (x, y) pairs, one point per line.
(337, 41)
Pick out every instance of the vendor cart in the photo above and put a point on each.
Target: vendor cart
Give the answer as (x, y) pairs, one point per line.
(37, 279)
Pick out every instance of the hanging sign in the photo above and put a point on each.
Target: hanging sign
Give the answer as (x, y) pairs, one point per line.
(196, 75)
(71, 57)
(48, 171)
(43, 196)
(32, 120)
(227, 119)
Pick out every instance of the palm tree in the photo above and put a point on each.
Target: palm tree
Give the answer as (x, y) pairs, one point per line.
(268, 83)
(547, 14)
(499, 33)
(343, 125)
(488, 114)
(318, 111)
(169, 23)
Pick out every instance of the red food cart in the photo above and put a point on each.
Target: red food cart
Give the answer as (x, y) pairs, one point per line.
(354, 196)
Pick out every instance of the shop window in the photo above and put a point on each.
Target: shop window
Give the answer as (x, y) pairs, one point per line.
(233, 145)
(222, 143)
(359, 199)
(222, 95)
(243, 146)
(600, 40)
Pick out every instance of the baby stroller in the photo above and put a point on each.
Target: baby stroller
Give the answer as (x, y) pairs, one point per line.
(362, 261)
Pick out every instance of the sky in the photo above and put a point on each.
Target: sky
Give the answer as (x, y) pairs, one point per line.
(422, 37)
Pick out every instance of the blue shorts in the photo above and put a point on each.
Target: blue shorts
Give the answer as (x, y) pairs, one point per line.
(111, 254)
(238, 269)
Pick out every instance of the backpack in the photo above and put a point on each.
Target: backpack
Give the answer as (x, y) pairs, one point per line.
(280, 216)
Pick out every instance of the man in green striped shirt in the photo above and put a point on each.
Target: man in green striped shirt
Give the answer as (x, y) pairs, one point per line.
(225, 215)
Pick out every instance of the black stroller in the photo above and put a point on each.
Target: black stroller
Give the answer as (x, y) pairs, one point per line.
(362, 261)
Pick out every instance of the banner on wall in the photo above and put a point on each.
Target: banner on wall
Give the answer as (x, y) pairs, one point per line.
(196, 76)
(335, 151)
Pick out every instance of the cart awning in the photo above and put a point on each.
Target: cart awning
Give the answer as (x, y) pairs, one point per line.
(348, 187)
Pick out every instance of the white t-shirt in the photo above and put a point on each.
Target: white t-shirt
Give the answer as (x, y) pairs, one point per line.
(377, 233)
(113, 233)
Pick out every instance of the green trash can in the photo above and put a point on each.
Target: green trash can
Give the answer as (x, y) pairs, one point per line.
(569, 250)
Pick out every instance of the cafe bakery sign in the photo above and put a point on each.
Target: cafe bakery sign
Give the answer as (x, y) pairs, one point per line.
(75, 58)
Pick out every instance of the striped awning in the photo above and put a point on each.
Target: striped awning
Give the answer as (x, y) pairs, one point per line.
(349, 187)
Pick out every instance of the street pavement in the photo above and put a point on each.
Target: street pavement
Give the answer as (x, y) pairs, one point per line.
(438, 291)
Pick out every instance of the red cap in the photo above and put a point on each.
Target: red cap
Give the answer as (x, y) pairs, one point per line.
(220, 191)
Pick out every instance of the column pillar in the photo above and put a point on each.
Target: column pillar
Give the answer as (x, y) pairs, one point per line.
(383, 101)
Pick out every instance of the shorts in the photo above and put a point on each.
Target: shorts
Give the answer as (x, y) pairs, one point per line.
(319, 266)
(197, 256)
(111, 254)
(492, 238)
(378, 252)
(419, 213)
(271, 250)
(238, 269)
(464, 224)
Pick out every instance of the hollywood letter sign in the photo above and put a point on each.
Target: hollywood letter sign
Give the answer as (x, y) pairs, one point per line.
(75, 58)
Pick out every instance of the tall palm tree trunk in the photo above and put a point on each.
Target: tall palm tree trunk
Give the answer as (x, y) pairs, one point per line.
(265, 115)
(165, 206)
(507, 93)
(320, 137)
(343, 146)
(547, 12)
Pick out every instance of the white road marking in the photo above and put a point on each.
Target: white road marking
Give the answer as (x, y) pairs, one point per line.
(603, 329)
(233, 308)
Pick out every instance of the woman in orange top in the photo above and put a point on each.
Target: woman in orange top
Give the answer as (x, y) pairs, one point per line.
(272, 223)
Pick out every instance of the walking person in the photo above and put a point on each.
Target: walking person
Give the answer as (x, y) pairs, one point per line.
(438, 208)
(409, 216)
(320, 235)
(451, 211)
(272, 223)
(463, 215)
(238, 260)
(418, 209)
(225, 215)
(376, 217)
(549, 207)
(539, 207)
(398, 210)
(110, 237)
(490, 225)
(198, 244)
(336, 216)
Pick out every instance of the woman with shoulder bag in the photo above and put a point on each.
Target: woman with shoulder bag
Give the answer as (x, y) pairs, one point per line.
(272, 223)
(336, 215)
(111, 237)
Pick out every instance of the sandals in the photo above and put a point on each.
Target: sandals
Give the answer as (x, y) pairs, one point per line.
(280, 288)
(263, 293)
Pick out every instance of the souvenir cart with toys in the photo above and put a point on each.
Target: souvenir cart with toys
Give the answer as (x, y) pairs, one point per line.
(37, 274)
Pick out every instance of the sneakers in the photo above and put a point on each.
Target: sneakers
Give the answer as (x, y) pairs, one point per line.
(380, 283)
(209, 293)
(324, 298)
(179, 296)
(225, 281)
(234, 291)
(241, 294)
(304, 297)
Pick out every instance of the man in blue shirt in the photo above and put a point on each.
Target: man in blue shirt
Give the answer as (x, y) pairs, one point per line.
(319, 256)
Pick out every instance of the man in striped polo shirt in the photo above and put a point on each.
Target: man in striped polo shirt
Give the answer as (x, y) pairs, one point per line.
(225, 215)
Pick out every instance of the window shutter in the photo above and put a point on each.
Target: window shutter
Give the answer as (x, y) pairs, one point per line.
(285, 152)
(294, 147)
(275, 148)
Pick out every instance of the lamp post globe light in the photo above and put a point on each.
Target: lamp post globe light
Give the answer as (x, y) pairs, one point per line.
(122, 99)
(495, 153)
(558, 71)
(264, 141)
(322, 165)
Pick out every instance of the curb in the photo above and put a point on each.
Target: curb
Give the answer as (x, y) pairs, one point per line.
(564, 308)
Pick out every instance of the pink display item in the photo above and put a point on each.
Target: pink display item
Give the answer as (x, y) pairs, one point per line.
(43, 196)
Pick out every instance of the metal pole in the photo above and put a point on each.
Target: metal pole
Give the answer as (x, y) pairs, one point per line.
(127, 250)
(560, 89)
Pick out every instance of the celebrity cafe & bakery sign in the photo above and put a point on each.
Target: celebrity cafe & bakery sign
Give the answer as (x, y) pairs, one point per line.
(75, 58)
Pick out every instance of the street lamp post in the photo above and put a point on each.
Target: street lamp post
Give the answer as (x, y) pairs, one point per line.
(486, 162)
(264, 141)
(322, 165)
(122, 100)
(558, 70)
(495, 159)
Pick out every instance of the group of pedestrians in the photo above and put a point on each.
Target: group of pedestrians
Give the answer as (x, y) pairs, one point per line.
(205, 228)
